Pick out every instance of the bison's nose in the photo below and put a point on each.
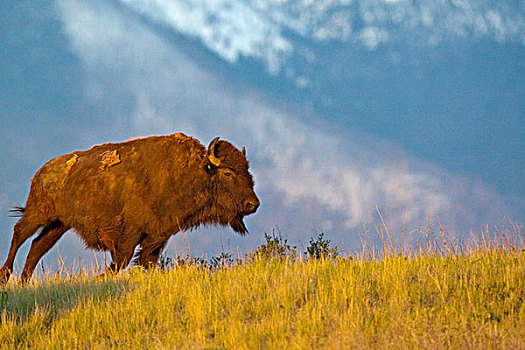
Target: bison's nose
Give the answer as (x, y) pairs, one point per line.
(251, 206)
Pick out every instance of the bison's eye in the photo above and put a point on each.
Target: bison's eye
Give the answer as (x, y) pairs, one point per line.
(230, 174)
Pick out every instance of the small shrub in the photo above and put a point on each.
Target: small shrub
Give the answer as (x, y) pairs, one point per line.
(320, 249)
(165, 262)
(222, 260)
(187, 261)
(276, 247)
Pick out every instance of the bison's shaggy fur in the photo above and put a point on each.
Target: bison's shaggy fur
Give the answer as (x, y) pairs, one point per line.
(117, 196)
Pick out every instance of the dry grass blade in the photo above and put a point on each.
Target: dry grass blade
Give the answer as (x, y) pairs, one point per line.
(380, 233)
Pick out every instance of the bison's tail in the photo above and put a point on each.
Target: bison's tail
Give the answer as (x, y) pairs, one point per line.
(17, 212)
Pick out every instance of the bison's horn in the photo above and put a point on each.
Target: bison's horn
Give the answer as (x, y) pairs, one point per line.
(212, 154)
(244, 151)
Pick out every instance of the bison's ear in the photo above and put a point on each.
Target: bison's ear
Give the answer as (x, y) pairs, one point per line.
(212, 152)
(243, 150)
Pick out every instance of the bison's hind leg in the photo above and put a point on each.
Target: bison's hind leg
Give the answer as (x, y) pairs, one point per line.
(24, 229)
(47, 238)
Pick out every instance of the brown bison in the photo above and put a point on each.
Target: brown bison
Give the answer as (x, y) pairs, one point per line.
(117, 196)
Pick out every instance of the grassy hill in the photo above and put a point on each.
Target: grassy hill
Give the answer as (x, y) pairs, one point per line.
(275, 298)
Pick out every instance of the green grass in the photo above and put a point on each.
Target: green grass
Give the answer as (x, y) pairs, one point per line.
(472, 299)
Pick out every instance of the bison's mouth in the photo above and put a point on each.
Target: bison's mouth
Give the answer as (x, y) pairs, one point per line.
(238, 225)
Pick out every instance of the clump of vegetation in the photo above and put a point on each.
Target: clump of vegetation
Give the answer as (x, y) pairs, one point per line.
(220, 261)
(191, 261)
(276, 247)
(320, 249)
(167, 263)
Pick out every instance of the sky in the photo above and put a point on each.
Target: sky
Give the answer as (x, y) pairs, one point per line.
(344, 106)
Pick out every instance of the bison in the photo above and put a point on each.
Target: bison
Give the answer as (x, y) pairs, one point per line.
(117, 196)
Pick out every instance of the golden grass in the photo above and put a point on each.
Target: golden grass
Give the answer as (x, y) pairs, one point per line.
(473, 298)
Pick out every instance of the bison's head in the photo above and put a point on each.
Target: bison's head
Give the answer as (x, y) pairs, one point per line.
(233, 183)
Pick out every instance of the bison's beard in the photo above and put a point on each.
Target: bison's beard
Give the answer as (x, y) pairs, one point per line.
(238, 225)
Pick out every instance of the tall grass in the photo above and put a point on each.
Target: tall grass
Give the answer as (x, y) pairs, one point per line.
(469, 296)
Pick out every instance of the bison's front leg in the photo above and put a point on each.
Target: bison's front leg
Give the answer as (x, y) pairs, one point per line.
(150, 249)
(122, 248)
